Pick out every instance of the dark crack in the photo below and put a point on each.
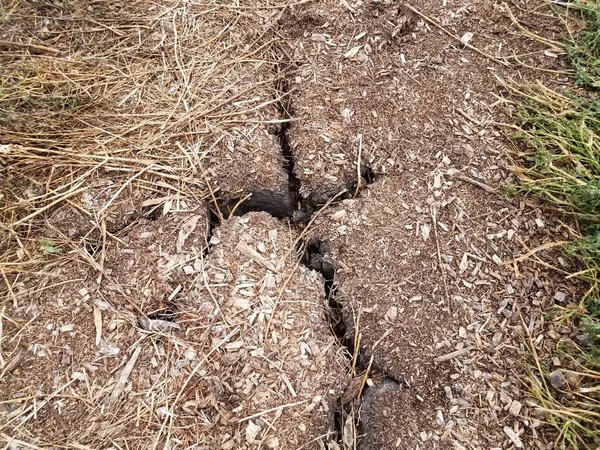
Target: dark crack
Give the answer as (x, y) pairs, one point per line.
(291, 207)
(315, 257)
(285, 111)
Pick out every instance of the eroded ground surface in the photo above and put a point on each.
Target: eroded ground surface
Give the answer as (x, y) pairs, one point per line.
(387, 318)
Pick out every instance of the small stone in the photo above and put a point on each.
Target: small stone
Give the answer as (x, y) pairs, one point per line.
(557, 379)
(228, 445)
(560, 296)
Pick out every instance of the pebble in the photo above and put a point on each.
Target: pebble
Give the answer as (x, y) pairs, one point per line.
(557, 379)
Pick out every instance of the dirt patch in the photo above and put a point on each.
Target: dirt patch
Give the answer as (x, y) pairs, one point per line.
(377, 85)
(391, 291)
(390, 406)
(232, 343)
(381, 85)
(242, 357)
(283, 352)
(74, 326)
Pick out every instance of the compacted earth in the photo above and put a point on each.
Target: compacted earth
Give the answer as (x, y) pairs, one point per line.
(338, 267)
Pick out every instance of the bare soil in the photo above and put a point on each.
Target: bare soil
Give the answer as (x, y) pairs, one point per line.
(270, 358)
(174, 317)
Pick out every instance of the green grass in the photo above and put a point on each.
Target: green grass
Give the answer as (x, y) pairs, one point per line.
(558, 141)
(583, 50)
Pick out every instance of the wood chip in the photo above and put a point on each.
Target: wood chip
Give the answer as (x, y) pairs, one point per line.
(252, 431)
(466, 38)
(514, 437)
(515, 408)
(98, 324)
(124, 376)
(14, 363)
(452, 355)
(186, 230)
(245, 249)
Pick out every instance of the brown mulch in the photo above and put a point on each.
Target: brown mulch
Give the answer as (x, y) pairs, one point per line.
(225, 350)
(129, 322)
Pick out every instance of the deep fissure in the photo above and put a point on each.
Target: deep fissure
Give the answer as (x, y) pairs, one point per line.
(296, 210)
(314, 256)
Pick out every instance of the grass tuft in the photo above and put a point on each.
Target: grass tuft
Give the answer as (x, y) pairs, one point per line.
(583, 51)
(558, 142)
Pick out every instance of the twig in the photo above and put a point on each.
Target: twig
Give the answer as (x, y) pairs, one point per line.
(12, 365)
(439, 255)
(358, 174)
(531, 252)
(477, 183)
(454, 354)
(239, 203)
(38, 48)
(266, 411)
(554, 45)
(453, 36)
(364, 380)
(245, 249)
(124, 375)
(215, 202)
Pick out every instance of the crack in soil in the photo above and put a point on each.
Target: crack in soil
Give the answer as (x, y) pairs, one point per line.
(315, 257)
(296, 211)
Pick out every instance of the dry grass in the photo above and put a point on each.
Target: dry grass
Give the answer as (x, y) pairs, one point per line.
(559, 162)
(138, 94)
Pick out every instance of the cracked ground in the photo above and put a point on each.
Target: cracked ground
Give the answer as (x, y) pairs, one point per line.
(266, 225)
